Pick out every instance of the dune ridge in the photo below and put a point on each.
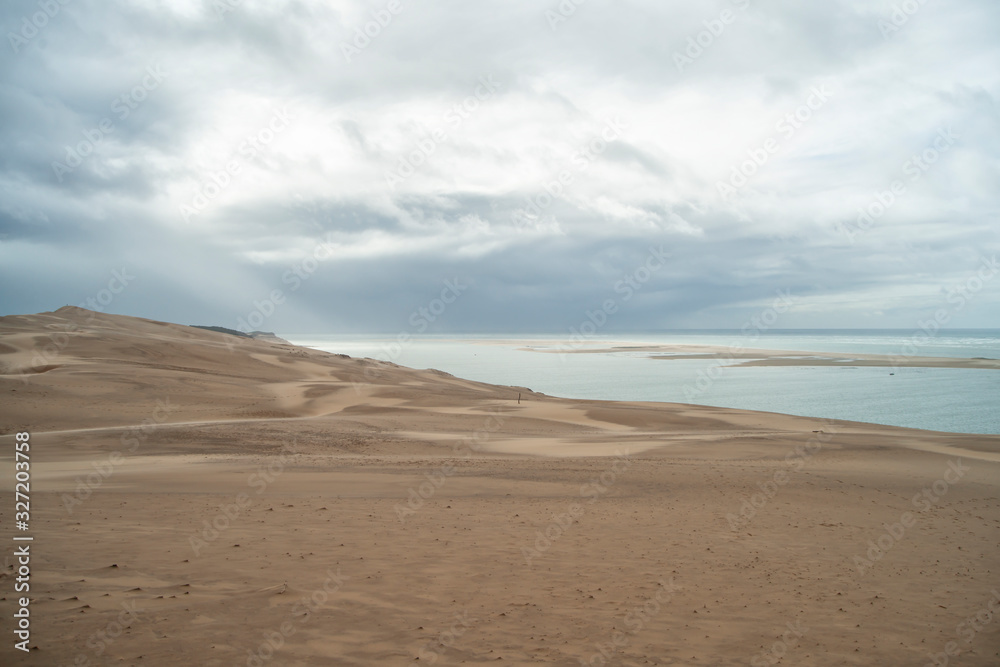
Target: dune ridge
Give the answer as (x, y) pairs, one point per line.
(266, 503)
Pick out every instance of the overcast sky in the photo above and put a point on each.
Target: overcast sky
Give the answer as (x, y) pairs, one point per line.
(674, 164)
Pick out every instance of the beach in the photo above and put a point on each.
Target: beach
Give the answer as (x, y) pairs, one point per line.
(762, 357)
(198, 498)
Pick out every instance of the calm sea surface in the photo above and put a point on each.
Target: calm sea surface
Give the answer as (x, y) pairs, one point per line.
(965, 401)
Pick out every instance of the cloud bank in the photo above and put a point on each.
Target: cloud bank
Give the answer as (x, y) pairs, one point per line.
(330, 165)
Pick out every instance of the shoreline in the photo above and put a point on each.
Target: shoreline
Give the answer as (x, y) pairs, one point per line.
(768, 357)
(716, 357)
(228, 490)
(287, 399)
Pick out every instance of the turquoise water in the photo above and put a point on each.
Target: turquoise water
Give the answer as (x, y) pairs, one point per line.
(958, 400)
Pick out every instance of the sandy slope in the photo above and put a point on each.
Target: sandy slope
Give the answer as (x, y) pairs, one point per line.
(249, 502)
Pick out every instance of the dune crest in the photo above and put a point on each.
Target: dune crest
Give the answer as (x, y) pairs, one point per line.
(204, 498)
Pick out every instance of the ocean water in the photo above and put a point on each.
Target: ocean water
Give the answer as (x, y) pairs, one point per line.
(957, 400)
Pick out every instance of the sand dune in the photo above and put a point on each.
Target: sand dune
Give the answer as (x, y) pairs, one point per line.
(199, 498)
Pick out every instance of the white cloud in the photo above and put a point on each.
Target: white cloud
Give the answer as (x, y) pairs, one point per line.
(409, 100)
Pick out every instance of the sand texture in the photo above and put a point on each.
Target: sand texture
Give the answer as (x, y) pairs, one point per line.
(202, 499)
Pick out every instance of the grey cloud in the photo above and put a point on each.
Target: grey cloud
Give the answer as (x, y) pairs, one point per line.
(323, 180)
